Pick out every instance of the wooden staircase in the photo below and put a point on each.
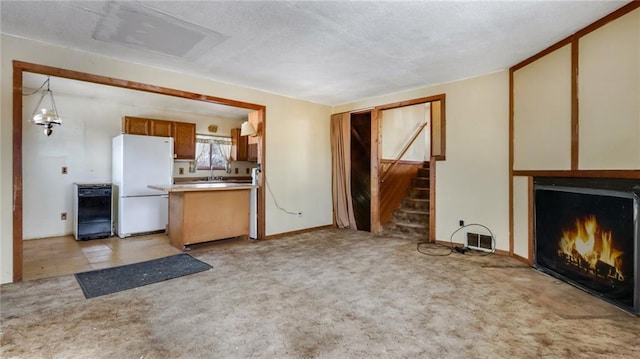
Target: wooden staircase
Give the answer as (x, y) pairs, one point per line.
(411, 219)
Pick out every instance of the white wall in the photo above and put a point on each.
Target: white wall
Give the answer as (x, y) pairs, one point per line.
(298, 154)
(473, 182)
(399, 125)
(609, 95)
(542, 113)
(608, 112)
(83, 145)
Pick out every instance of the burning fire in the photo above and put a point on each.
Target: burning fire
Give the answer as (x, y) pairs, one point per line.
(591, 248)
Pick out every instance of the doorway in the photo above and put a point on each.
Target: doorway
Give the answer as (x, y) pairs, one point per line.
(361, 169)
(19, 67)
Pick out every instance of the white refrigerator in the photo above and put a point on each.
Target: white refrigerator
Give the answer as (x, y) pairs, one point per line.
(139, 161)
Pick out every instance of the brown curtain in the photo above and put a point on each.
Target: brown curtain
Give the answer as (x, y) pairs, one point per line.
(341, 165)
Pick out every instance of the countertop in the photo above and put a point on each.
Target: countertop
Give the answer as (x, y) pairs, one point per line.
(194, 187)
(199, 180)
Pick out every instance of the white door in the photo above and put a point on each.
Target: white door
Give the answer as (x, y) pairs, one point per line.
(142, 214)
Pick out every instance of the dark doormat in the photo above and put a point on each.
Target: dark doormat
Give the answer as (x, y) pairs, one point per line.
(110, 280)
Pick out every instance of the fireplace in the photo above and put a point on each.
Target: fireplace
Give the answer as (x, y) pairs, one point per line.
(586, 233)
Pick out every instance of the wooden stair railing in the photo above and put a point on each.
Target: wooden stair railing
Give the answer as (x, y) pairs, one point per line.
(404, 150)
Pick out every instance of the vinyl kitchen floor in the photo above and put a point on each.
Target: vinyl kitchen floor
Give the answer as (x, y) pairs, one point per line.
(55, 256)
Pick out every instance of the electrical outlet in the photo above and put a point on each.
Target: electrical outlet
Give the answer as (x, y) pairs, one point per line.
(461, 223)
(63, 216)
(64, 170)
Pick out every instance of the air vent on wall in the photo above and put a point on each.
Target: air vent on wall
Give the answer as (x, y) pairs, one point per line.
(479, 242)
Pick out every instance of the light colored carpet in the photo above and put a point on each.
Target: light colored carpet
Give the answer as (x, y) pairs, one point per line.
(325, 294)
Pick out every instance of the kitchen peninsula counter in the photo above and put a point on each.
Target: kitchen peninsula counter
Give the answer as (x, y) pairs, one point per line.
(207, 211)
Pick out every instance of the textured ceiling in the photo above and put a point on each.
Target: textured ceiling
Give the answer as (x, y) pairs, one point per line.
(328, 52)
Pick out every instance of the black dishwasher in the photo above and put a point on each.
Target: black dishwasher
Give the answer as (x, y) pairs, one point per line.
(92, 202)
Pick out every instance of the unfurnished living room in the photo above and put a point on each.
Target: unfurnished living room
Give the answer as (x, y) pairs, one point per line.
(320, 179)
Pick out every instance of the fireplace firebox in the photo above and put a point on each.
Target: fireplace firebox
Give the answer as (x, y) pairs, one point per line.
(586, 233)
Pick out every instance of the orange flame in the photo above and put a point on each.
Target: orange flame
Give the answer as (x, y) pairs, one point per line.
(586, 245)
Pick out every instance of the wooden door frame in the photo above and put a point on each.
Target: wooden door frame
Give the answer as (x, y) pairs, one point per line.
(376, 150)
(19, 67)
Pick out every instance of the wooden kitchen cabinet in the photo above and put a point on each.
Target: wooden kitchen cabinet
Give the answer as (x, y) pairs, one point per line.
(136, 125)
(239, 149)
(184, 136)
(252, 152)
(183, 133)
(161, 128)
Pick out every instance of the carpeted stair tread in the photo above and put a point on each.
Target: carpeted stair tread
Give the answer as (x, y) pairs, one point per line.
(411, 219)
(411, 225)
(412, 211)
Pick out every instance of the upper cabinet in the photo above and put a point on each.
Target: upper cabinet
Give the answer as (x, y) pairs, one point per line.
(238, 145)
(183, 133)
(136, 125)
(241, 147)
(252, 152)
(161, 128)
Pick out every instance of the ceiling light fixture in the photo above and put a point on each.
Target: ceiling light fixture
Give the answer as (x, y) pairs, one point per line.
(247, 129)
(46, 116)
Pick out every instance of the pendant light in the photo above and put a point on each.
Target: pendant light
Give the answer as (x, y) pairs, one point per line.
(46, 116)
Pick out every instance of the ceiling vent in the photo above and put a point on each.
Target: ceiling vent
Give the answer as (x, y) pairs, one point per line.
(138, 26)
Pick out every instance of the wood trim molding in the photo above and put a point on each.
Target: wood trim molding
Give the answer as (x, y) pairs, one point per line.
(375, 217)
(19, 67)
(300, 231)
(511, 159)
(432, 201)
(578, 34)
(17, 175)
(607, 19)
(531, 220)
(443, 129)
(131, 85)
(521, 259)
(376, 150)
(558, 45)
(412, 102)
(575, 133)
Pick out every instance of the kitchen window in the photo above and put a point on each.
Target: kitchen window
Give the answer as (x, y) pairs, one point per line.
(212, 152)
